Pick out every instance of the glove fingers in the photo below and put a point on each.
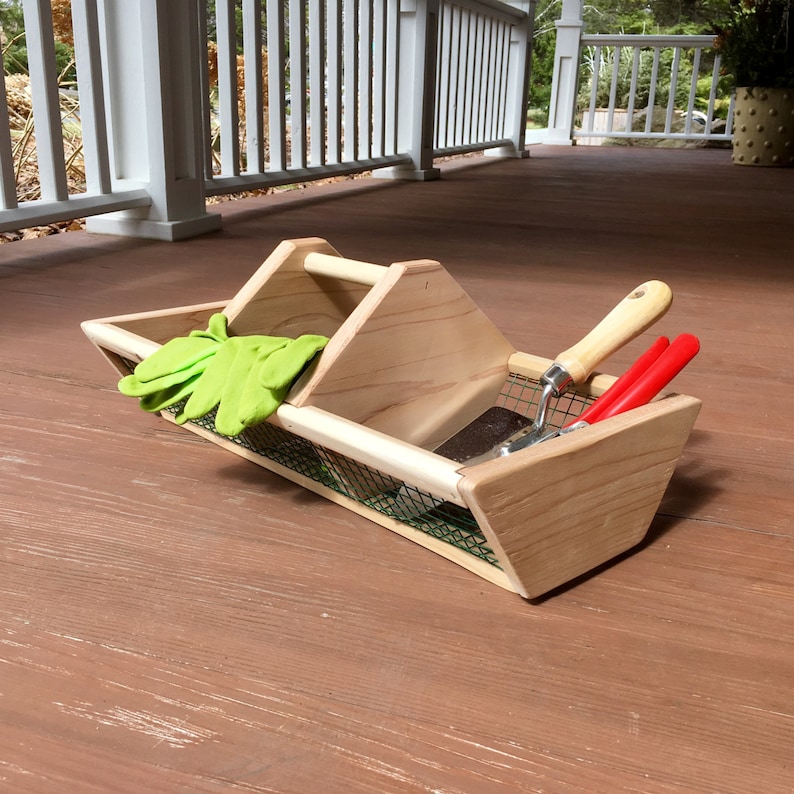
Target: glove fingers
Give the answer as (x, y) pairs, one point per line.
(174, 356)
(286, 364)
(158, 400)
(243, 368)
(272, 376)
(209, 388)
(259, 403)
(133, 386)
(227, 422)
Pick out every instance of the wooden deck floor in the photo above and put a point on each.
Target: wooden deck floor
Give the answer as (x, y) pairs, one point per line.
(173, 618)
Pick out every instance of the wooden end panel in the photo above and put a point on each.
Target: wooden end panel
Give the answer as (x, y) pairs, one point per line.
(562, 508)
(282, 299)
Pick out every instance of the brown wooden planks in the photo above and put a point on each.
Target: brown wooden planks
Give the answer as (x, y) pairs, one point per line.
(145, 572)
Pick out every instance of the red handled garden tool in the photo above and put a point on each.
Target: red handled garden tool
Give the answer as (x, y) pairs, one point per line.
(642, 382)
(486, 435)
(649, 374)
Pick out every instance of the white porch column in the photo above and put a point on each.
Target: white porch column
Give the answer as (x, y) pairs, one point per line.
(151, 59)
(564, 82)
(416, 98)
(518, 89)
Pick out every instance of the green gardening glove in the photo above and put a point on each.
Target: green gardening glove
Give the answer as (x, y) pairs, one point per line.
(170, 373)
(225, 379)
(274, 376)
(245, 377)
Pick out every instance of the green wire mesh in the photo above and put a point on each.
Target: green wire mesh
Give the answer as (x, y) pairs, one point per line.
(397, 499)
(522, 395)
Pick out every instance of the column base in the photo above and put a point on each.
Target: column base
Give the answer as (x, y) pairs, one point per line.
(507, 151)
(558, 139)
(406, 172)
(121, 224)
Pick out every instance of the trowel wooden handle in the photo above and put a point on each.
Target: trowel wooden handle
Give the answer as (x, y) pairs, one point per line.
(640, 309)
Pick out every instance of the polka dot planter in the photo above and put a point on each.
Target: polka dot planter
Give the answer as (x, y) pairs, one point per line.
(763, 127)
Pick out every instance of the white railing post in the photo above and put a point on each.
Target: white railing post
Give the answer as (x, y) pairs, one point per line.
(151, 61)
(46, 109)
(416, 90)
(565, 78)
(520, 63)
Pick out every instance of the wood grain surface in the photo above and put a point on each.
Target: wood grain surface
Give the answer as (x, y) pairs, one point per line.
(580, 499)
(176, 619)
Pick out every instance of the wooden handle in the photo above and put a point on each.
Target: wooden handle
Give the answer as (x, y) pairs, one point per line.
(345, 269)
(390, 456)
(119, 340)
(641, 308)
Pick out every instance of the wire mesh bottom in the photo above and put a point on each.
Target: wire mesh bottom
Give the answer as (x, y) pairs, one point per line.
(397, 499)
(394, 498)
(522, 395)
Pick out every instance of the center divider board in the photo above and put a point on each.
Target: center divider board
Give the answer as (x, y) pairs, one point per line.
(411, 356)
(417, 360)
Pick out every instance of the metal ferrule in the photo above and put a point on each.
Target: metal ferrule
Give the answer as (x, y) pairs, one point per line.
(558, 378)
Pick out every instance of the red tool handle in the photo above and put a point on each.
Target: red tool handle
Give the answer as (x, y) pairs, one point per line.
(680, 352)
(596, 411)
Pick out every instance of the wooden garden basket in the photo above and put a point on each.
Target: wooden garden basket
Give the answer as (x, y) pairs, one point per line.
(411, 360)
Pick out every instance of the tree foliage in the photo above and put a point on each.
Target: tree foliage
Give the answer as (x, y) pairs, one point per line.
(619, 17)
(756, 42)
(15, 53)
(654, 16)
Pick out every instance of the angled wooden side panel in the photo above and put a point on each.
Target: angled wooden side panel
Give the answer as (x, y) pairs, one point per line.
(417, 359)
(161, 325)
(562, 508)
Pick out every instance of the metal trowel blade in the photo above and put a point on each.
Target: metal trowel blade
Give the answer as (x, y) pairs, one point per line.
(493, 434)
(527, 437)
(488, 431)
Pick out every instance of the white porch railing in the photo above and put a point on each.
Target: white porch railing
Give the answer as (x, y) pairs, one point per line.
(607, 55)
(56, 203)
(482, 77)
(321, 88)
(600, 76)
(378, 84)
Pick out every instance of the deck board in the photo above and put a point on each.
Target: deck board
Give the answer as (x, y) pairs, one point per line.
(173, 618)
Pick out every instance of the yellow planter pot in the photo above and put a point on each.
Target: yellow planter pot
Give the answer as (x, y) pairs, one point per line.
(763, 129)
